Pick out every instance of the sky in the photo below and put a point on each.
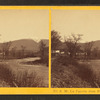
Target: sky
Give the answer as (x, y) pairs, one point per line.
(86, 22)
(24, 24)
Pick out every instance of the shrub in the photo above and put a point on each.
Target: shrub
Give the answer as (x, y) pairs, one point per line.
(68, 72)
(65, 60)
(24, 79)
(85, 72)
(6, 74)
(64, 77)
(45, 60)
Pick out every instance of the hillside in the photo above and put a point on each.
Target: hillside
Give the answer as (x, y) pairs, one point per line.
(29, 44)
(96, 44)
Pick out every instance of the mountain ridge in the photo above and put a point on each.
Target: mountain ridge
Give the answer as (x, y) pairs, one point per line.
(28, 44)
(96, 44)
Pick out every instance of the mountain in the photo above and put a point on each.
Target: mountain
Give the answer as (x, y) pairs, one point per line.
(96, 44)
(28, 44)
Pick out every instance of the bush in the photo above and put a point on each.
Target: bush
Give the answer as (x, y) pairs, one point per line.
(45, 60)
(64, 77)
(6, 74)
(65, 60)
(85, 72)
(68, 72)
(22, 79)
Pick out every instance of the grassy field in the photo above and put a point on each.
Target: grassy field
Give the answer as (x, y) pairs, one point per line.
(81, 74)
(95, 66)
(23, 75)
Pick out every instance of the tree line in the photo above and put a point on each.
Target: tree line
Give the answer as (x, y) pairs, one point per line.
(72, 46)
(7, 51)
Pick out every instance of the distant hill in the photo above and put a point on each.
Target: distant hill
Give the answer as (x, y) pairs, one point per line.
(29, 44)
(96, 44)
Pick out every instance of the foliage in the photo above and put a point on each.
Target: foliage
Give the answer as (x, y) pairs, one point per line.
(88, 49)
(44, 53)
(25, 79)
(65, 60)
(66, 73)
(5, 49)
(55, 39)
(23, 51)
(42, 49)
(6, 74)
(72, 44)
(22, 79)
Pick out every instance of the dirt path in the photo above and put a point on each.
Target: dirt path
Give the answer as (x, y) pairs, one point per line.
(41, 70)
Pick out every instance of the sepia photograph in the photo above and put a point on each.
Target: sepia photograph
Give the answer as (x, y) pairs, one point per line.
(75, 49)
(24, 48)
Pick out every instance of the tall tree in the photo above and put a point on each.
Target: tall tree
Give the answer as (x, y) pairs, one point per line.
(55, 40)
(72, 44)
(5, 49)
(95, 52)
(88, 49)
(42, 50)
(13, 51)
(23, 50)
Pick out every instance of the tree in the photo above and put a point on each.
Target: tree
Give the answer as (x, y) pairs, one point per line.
(42, 50)
(55, 40)
(88, 49)
(13, 51)
(95, 52)
(23, 50)
(72, 44)
(44, 53)
(5, 49)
